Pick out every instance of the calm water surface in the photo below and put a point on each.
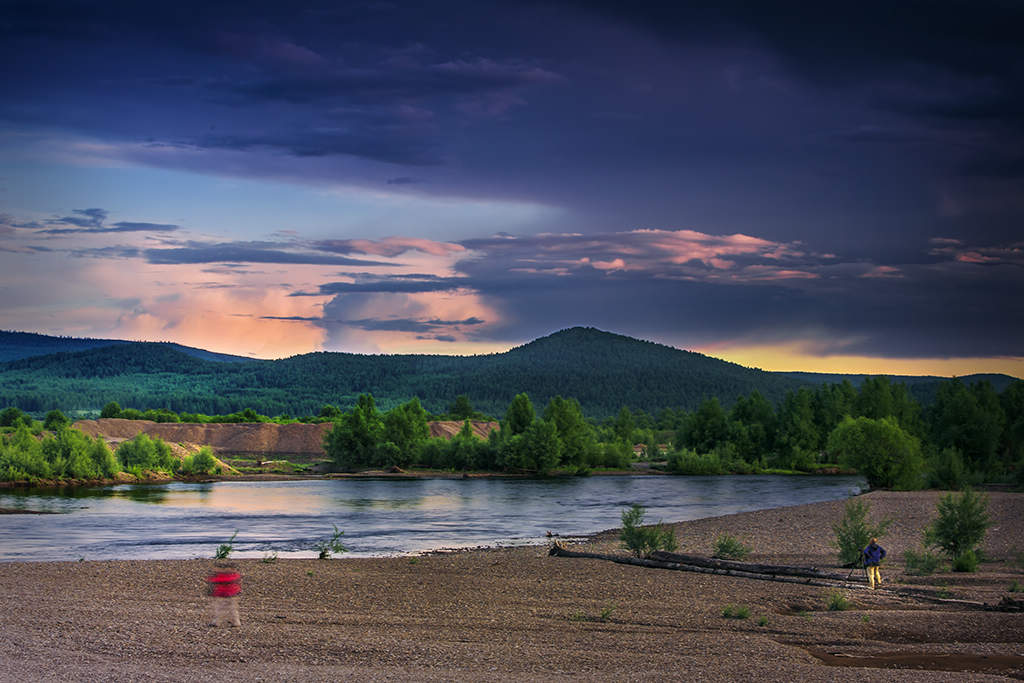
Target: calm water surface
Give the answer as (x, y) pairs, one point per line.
(379, 517)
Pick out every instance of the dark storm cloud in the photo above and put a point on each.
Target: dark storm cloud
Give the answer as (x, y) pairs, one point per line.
(393, 285)
(246, 252)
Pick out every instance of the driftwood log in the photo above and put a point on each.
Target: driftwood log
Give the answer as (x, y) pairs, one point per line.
(749, 572)
(808, 576)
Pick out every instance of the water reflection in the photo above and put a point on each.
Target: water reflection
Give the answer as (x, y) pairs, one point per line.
(182, 520)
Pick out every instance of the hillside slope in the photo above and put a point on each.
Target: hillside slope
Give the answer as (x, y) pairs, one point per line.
(604, 371)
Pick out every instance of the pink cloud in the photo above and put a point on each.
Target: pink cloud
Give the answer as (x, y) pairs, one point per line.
(883, 272)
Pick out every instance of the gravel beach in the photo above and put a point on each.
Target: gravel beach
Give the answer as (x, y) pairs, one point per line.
(517, 613)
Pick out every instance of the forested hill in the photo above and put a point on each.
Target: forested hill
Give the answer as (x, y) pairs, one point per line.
(17, 345)
(603, 371)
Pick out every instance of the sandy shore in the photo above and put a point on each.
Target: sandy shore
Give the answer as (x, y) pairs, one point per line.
(519, 614)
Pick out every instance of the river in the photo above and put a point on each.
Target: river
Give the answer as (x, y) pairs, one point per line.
(378, 516)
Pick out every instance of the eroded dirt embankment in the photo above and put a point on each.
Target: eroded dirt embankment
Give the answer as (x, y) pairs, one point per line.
(254, 437)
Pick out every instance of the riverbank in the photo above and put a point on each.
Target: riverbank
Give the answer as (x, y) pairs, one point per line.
(517, 613)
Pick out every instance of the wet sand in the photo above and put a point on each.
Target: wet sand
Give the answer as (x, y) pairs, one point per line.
(519, 614)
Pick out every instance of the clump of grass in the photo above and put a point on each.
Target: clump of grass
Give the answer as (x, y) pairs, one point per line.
(967, 561)
(923, 563)
(736, 612)
(1015, 587)
(865, 618)
(762, 621)
(641, 540)
(606, 613)
(729, 547)
(837, 602)
(224, 549)
(330, 546)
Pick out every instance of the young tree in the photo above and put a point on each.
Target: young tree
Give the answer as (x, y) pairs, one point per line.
(961, 525)
(880, 450)
(853, 532)
(574, 434)
(352, 441)
(461, 409)
(519, 416)
(112, 409)
(406, 427)
(55, 420)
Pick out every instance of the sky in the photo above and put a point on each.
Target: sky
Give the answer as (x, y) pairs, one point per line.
(832, 187)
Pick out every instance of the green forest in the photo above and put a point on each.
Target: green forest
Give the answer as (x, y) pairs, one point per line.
(602, 371)
(969, 434)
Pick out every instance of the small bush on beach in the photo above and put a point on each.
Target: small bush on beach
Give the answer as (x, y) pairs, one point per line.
(730, 548)
(960, 527)
(966, 562)
(224, 549)
(641, 540)
(923, 563)
(837, 602)
(736, 612)
(762, 621)
(854, 532)
(330, 546)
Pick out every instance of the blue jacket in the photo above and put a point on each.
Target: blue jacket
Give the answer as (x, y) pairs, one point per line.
(873, 554)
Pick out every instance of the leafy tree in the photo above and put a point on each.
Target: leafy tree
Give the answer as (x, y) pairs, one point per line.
(853, 532)
(55, 420)
(330, 412)
(880, 450)
(798, 439)
(540, 448)
(963, 418)
(111, 409)
(707, 427)
(352, 441)
(874, 400)
(406, 427)
(12, 417)
(519, 416)
(624, 425)
(462, 409)
(961, 525)
(575, 437)
(146, 453)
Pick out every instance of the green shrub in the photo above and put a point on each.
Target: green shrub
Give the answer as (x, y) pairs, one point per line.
(837, 602)
(224, 549)
(199, 463)
(967, 561)
(960, 526)
(146, 453)
(641, 540)
(691, 463)
(923, 563)
(730, 548)
(736, 612)
(330, 546)
(854, 532)
(762, 621)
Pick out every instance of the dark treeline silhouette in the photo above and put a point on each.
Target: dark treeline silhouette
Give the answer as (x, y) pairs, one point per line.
(602, 371)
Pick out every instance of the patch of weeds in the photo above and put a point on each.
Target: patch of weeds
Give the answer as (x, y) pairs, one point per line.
(309, 573)
(641, 540)
(865, 618)
(804, 613)
(414, 560)
(967, 561)
(837, 602)
(330, 546)
(606, 613)
(224, 549)
(762, 621)
(1015, 587)
(577, 616)
(269, 558)
(736, 612)
(944, 593)
(923, 563)
(730, 548)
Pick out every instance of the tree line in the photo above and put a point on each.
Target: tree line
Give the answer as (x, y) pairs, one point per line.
(968, 435)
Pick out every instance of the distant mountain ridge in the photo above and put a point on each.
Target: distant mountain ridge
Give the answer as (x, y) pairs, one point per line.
(602, 370)
(18, 345)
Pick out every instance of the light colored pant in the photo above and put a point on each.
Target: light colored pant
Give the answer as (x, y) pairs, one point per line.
(224, 611)
(873, 576)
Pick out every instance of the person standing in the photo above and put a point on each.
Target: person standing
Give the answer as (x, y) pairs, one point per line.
(225, 585)
(873, 554)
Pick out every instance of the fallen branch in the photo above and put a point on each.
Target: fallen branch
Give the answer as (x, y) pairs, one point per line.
(774, 569)
(559, 551)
